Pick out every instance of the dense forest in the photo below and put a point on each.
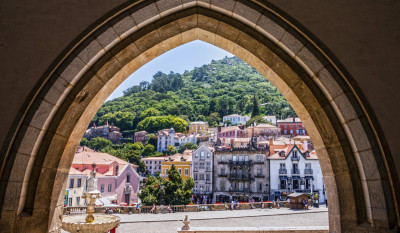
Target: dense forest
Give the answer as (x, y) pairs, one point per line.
(206, 93)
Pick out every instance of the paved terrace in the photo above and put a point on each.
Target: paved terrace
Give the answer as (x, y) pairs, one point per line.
(236, 219)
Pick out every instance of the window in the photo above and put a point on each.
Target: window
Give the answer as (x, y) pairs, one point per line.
(150, 169)
(222, 185)
(151, 162)
(282, 166)
(71, 183)
(241, 186)
(223, 158)
(222, 171)
(166, 171)
(294, 153)
(202, 155)
(102, 188)
(195, 176)
(196, 155)
(196, 166)
(207, 188)
(180, 171)
(234, 185)
(207, 177)
(70, 201)
(79, 183)
(246, 185)
(246, 158)
(202, 165)
(208, 167)
(147, 162)
(128, 178)
(234, 158)
(260, 187)
(186, 171)
(259, 171)
(259, 158)
(308, 165)
(109, 188)
(78, 200)
(208, 155)
(201, 176)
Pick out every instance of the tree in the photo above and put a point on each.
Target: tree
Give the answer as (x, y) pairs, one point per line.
(84, 142)
(256, 110)
(187, 146)
(171, 150)
(149, 112)
(99, 143)
(258, 120)
(148, 150)
(213, 119)
(153, 140)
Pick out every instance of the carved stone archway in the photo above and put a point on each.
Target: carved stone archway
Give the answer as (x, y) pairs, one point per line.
(353, 161)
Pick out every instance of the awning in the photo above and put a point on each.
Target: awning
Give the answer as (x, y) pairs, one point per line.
(283, 177)
(309, 177)
(296, 178)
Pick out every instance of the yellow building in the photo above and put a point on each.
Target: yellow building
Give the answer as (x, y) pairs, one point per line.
(198, 127)
(182, 162)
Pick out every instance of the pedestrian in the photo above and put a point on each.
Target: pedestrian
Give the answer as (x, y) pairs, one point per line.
(232, 204)
(169, 208)
(153, 209)
(326, 203)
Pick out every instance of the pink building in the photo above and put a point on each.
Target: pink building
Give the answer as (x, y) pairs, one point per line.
(231, 132)
(116, 179)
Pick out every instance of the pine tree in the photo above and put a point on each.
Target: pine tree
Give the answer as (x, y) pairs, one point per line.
(256, 110)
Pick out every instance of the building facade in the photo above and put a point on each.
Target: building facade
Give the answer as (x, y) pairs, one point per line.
(182, 162)
(235, 119)
(231, 132)
(292, 126)
(166, 138)
(263, 130)
(241, 174)
(293, 170)
(198, 127)
(117, 180)
(153, 164)
(76, 186)
(109, 132)
(202, 167)
(141, 136)
(271, 119)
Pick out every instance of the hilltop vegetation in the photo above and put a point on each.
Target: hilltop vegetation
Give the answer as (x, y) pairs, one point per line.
(206, 93)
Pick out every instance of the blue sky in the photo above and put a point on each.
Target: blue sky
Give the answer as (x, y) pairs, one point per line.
(184, 57)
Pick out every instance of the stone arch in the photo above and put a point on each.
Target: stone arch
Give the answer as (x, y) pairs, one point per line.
(354, 163)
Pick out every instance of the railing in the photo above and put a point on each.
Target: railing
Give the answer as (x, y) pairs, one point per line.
(282, 171)
(258, 162)
(208, 169)
(222, 162)
(247, 163)
(222, 175)
(175, 208)
(308, 171)
(208, 181)
(239, 177)
(297, 158)
(259, 176)
(295, 171)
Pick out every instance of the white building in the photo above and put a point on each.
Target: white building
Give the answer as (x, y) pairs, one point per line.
(291, 170)
(236, 119)
(271, 119)
(76, 186)
(153, 164)
(202, 167)
(165, 138)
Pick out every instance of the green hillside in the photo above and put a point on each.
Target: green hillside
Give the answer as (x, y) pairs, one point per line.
(206, 93)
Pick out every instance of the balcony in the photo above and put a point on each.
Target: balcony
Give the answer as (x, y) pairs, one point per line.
(241, 163)
(243, 190)
(240, 177)
(297, 158)
(283, 171)
(259, 176)
(223, 175)
(208, 181)
(295, 171)
(222, 162)
(308, 171)
(259, 162)
(208, 169)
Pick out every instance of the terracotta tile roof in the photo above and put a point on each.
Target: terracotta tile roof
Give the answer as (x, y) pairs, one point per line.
(230, 128)
(289, 120)
(154, 158)
(88, 156)
(73, 171)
